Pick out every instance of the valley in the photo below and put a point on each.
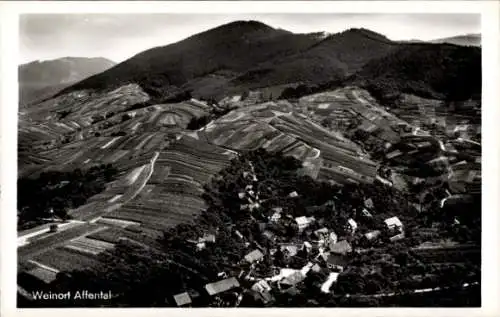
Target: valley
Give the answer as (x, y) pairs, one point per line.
(208, 166)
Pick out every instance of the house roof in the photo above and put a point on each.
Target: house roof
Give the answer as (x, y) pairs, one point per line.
(222, 286)
(266, 297)
(276, 216)
(291, 249)
(302, 220)
(366, 213)
(182, 299)
(261, 286)
(341, 247)
(321, 231)
(283, 273)
(352, 223)
(253, 256)
(393, 221)
(293, 194)
(306, 268)
(397, 237)
(316, 268)
(325, 288)
(372, 234)
(293, 279)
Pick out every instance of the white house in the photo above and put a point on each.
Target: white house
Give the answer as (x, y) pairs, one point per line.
(333, 238)
(352, 225)
(393, 223)
(304, 222)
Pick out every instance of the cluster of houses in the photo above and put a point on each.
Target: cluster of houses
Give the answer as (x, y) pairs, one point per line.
(320, 251)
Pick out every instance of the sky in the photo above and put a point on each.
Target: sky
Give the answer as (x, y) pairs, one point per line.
(120, 36)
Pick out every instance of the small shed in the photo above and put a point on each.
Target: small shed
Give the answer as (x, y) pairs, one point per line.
(182, 299)
(293, 194)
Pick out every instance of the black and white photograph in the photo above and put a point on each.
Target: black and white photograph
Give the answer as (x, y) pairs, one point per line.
(249, 160)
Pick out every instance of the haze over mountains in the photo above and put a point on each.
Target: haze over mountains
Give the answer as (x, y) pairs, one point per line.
(41, 79)
(464, 40)
(248, 54)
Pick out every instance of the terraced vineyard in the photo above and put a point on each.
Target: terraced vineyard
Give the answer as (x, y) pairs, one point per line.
(163, 166)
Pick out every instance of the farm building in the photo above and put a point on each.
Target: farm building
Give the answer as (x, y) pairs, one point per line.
(222, 286)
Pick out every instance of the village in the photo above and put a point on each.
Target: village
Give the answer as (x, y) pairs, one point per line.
(313, 249)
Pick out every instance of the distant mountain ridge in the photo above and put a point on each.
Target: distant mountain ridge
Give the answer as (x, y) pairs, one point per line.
(243, 55)
(40, 79)
(463, 40)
